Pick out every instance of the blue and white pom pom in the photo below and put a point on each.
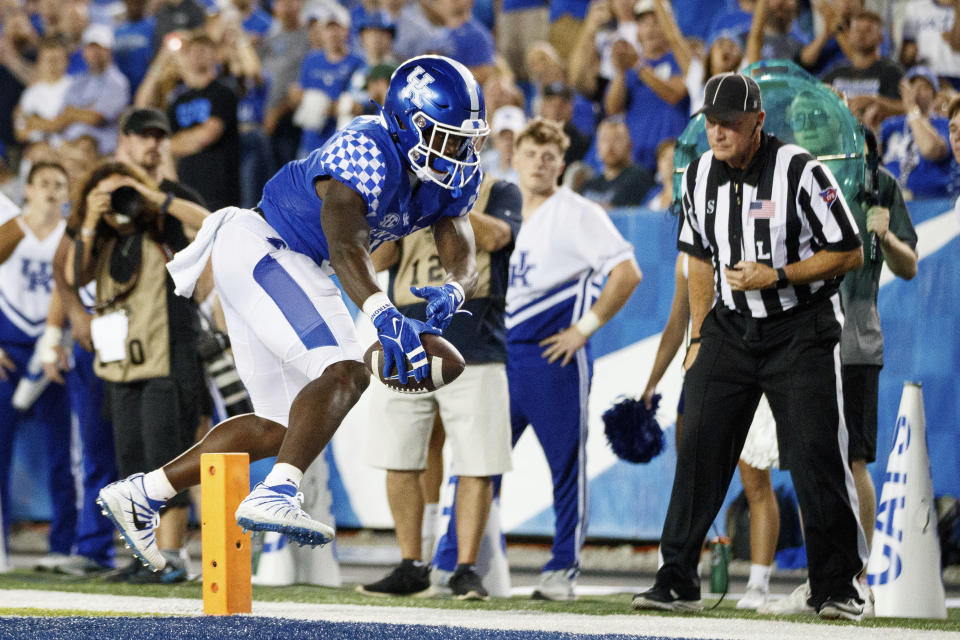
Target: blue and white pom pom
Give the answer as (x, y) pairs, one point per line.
(632, 429)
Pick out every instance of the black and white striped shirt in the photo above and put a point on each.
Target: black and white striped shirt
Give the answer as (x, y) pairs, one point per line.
(788, 207)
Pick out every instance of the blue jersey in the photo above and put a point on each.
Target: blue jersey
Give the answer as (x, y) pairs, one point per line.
(333, 78)
(133, 49)
(363, 156)
(901, 156)
(258, 23)
(649, 118)
(469, 44)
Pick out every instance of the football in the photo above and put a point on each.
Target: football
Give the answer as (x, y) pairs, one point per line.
(446, 364)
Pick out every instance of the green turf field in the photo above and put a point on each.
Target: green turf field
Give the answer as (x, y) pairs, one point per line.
(594, 605)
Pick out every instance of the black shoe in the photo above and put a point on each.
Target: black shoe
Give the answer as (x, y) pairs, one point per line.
(466, 585)
(123, 574)
(410, 578)
(846, 608)
(662, 597)
(174, 571)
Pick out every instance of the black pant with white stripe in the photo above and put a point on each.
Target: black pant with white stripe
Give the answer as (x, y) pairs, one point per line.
(793, 358)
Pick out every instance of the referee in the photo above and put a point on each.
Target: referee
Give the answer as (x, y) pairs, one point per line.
(769, 234)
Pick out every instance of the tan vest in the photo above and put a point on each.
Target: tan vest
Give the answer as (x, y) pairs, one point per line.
(148, 331)
(420, 266)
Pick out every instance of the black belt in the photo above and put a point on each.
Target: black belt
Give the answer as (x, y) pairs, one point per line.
(754, 329)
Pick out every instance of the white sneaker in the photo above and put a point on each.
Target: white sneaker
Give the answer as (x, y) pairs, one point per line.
(869, 602)
(51, 562)
(278, 509)
(846, 608)
(440, 582)
(754, 598)
(556, 585)
(136, 515)
(77, 565)
(795, 603)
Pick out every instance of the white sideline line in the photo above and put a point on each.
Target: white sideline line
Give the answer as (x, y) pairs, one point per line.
(630, 624)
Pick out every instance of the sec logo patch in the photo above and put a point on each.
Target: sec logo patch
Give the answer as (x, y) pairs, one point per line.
(829, 195)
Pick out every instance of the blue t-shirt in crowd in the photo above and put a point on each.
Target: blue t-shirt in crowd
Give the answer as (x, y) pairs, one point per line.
(251, 105)
(333, 78)
(133, 49)
(648, 117)
(585, 113)
(832, 55)
(258, 23)
(518, 5)
(694, 17)
(363, 156)
(925, 179)
(470, 44)
(483, 13)
(576, 9)
(735, 25)
(76, 65)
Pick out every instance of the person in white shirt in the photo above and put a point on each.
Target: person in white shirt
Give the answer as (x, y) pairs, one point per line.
(556, 300)
(934, 27)
(41, 102)
(508, 121)
(27, 245)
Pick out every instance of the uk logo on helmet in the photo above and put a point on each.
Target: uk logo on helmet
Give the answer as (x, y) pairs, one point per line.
(418, 87)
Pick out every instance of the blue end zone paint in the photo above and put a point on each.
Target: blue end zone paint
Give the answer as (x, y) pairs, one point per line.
(254, 628)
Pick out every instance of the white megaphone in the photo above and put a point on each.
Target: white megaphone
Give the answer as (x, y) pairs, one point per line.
(904, 566)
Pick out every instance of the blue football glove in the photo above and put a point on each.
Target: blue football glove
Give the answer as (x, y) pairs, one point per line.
(400, 337)
(442, 303)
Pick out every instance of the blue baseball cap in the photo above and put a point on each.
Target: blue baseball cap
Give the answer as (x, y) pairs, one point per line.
(376, 20)
(926, 73)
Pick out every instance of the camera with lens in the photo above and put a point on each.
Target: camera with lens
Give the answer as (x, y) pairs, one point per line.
(127, 201)
(212, 347)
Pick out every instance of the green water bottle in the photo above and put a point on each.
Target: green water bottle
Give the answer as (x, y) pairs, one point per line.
(719, 564)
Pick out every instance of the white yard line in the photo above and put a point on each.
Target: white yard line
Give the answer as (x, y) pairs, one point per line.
(685, 627)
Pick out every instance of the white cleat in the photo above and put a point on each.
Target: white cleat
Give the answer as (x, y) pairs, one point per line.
(559, 584)
(136, 515)
(278, 509)
(794, 604)
(754, 598)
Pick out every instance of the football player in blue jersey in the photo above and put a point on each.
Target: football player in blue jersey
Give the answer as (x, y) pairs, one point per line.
(413, 165)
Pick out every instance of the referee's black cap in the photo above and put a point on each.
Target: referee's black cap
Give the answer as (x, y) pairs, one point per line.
(728, 95)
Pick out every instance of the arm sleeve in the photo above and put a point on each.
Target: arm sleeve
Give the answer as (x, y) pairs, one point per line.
(690, 237)
(356, 160)
(826, 210)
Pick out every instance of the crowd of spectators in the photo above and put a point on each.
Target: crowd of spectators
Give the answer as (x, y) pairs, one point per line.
(270, 81)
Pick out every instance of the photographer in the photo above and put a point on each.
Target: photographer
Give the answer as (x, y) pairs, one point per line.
(125, 229)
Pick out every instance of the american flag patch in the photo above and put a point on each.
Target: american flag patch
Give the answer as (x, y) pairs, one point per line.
(763, 210)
